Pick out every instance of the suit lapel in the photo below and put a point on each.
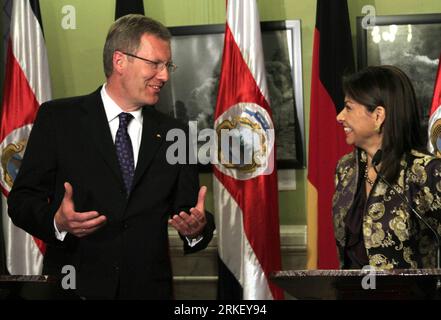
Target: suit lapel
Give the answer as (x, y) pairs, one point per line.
(153, 135)
(97, 126)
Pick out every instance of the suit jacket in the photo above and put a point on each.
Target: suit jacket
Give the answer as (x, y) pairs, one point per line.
(71, 141)
(393, 236)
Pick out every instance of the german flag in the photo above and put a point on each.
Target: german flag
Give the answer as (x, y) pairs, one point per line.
(332, 58)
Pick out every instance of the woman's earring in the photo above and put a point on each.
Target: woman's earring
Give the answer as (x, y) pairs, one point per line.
(377, 129)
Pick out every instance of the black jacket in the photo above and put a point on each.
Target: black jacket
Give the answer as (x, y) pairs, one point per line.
(71, 141)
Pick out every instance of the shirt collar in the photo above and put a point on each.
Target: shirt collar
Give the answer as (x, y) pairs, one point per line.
(113, 110)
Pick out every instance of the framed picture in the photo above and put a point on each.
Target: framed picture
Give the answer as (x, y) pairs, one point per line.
(192, 89)
(410, 42)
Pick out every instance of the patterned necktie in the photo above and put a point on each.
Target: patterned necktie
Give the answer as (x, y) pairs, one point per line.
(124, 150)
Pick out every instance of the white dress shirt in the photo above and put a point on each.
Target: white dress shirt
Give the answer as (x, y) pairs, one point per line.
(135, 126)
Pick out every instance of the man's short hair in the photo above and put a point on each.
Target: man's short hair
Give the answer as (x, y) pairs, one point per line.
(125, 35)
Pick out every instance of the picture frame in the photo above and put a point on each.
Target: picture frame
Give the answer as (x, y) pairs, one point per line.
(409, 42)
(192, 89)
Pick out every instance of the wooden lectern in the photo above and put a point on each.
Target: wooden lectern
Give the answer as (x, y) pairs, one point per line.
(20, 287)
(360, 284)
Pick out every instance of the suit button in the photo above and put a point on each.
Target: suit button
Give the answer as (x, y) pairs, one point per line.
(126, 225)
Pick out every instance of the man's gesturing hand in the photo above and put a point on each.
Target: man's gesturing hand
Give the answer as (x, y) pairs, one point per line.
(79, 224)
(191, 225)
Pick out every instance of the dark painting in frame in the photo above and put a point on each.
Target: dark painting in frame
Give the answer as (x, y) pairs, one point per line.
(192, 89)
(410, 42)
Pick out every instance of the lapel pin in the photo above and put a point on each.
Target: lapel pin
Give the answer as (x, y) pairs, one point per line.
(158, 135)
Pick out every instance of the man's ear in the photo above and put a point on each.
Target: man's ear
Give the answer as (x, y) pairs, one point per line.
(118, 61)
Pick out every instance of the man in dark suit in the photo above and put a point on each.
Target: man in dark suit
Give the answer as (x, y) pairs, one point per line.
(95, 183)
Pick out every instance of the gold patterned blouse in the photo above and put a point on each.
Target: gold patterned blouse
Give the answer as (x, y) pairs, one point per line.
(393, 236)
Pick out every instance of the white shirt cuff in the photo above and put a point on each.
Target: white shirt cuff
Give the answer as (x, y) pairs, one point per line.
(59, 235)
(194, 241)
